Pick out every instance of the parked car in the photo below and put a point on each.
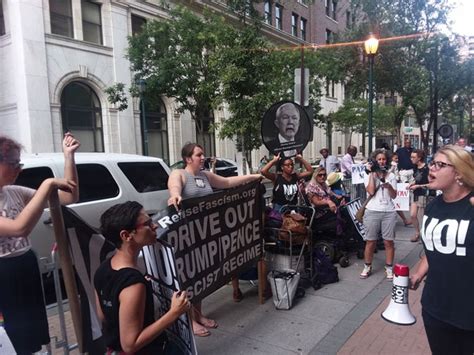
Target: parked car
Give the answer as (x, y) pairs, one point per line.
(104, 180)
(224, 167)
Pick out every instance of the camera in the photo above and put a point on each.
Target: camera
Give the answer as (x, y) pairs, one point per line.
(375, 167)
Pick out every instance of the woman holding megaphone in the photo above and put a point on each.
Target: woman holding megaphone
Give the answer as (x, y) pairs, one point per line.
(448, 237)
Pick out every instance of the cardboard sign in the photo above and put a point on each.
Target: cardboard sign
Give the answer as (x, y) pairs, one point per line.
(358, 174)
(402, 201)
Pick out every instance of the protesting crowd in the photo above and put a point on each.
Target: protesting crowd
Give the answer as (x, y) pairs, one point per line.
(441, 211)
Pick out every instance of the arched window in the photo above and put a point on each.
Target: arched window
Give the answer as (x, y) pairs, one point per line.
(157, 127)
(81, 114)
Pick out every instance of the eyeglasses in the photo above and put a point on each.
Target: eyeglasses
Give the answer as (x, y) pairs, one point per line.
(437, 165)
(14, 164)
(322, 175)
(148, 223)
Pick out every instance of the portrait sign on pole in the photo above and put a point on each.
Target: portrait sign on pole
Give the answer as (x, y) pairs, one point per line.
(286, 129)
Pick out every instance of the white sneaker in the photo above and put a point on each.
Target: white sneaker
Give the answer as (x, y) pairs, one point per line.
(389, 272)
(366, 272)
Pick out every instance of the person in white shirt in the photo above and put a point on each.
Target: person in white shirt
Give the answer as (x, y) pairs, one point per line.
(347, 161)
(329, 162)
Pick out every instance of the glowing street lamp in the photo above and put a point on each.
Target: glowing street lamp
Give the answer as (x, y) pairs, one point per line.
(371, 45)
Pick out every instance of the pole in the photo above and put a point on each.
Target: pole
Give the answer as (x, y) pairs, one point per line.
(66, 266)
(371, 98)
(145, 130)
(302, 98)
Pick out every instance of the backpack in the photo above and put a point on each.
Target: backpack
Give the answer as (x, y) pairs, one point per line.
(324, 270)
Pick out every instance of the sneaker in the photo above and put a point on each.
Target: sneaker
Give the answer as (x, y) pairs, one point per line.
(389, 273)
(366, 272)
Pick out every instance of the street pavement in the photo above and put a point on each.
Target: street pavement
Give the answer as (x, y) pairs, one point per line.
(340, 318)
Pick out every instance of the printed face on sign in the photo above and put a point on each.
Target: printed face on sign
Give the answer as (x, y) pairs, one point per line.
(199, 182)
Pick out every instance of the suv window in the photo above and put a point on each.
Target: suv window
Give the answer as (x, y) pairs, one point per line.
(95, 183)
(145, 177)
(33, 177)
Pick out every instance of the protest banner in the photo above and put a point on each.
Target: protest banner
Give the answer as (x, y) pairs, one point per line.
(352, 208)
(358, 173)
(159, 260)
(402, 201)
(88, 250)
(214, 238)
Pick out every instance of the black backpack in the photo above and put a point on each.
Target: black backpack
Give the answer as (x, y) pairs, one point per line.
(324, 270)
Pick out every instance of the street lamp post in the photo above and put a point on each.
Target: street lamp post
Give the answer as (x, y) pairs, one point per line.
(371, 45)
(141, 89)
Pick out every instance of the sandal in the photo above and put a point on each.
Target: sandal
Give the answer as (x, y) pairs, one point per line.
(406, 223)
(202, 332)
(238, 296)
(208, 323)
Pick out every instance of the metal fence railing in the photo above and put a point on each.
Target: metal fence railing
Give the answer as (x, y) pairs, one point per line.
(355, 191)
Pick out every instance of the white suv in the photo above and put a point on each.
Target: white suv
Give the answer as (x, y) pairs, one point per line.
(105, 179)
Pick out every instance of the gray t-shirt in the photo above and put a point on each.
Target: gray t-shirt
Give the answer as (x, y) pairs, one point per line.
(13, 200)
(196, 185)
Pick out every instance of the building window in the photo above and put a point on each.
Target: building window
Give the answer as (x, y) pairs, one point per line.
(333, 9)
(205, 134)
(60, 13)
(268, 12)
(329, 36)
(328, 5)
(137, 24)
(294, 24)
(91, 22)
(330, 88)
(278, 16)
(2, 20)
(303, 23)
(81, 114)
(348, 19)
(157, 128)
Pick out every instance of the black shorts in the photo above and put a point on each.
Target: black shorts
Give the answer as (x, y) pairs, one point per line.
(22, 303)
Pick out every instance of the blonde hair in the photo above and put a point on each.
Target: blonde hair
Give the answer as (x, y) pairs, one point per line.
(317, 171)
(463, 162)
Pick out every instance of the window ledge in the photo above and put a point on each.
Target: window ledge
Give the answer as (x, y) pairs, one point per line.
(5, 40)
(79, 45)
(332, 20)
(331, 99)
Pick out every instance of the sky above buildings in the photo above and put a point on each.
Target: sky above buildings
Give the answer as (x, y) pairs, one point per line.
(462, 17)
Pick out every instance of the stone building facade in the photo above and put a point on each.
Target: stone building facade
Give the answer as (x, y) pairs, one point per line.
(58, 56)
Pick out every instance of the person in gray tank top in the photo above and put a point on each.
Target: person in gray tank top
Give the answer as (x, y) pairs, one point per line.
(190, 182)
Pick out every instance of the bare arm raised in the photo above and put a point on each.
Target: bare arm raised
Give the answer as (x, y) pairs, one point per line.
(23, 224)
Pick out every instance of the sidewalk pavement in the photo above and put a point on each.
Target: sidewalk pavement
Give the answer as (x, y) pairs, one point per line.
(340, 318)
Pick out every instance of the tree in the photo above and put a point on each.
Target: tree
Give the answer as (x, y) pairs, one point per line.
(177, 58)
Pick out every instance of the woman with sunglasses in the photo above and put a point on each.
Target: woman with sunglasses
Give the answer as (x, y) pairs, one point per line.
(193, 181)
(380, 216)
(320, 194)
(21, 295)
(124, 297)
(447, 233)
(285, 180)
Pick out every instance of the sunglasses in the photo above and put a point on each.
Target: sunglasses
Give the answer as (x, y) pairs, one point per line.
(437, 165)
(322, 175)
(289, 164)
(148, 223)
